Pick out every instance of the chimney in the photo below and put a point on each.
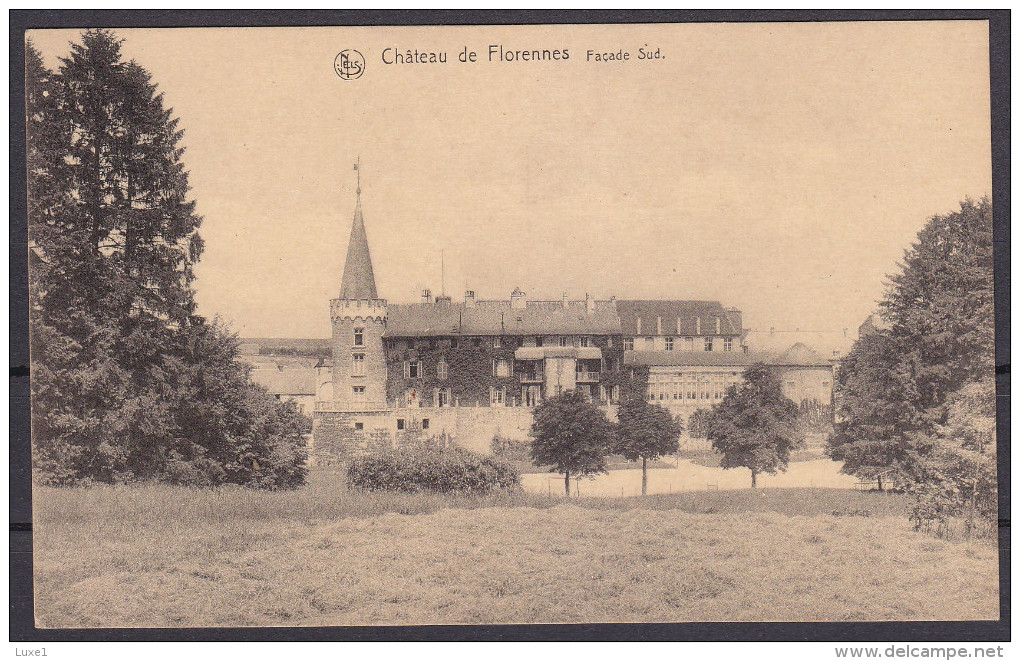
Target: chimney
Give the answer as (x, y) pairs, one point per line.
(718, 325)
(518, 299)
(469, 299)
(697, 326)
(679, 326)
(658, 325)
(443, 301)
(426, 297)
(589, 304)
(566, 303)
(638, 326)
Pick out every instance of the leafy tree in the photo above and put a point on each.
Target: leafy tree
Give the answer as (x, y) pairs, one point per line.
(895, 390)
(755, 425)
(697, 424)
(128, 382)
(572, 435)
(646, 431)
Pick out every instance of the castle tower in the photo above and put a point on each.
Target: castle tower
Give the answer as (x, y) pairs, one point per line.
(359, 319)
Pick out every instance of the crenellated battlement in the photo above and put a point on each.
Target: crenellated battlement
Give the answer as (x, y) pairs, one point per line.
(368, 309)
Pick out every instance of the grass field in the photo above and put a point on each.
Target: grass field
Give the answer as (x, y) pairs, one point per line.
(159, 556)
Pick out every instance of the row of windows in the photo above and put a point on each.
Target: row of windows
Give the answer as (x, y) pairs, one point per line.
(401, 424)
(530, 395)
(501, 368)
(680, 387)
(708, 343)
(494, 342)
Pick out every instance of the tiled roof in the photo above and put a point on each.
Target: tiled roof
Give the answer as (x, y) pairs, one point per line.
(498, 318)
(253, 345)
(285, 362)
(359, 278)
(801, 354)
(688, 312)
(827, 343)
(291, 381)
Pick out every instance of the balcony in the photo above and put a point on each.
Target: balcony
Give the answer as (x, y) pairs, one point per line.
(583, 376)
(531, 377)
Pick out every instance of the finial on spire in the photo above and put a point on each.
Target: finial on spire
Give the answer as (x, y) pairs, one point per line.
(358, 279)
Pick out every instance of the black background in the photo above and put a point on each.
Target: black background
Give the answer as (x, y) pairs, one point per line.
(22, 623)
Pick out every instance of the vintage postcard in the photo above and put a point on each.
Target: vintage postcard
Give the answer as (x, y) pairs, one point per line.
(517, 324)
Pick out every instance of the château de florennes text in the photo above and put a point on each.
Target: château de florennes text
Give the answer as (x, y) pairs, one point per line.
(496, 53)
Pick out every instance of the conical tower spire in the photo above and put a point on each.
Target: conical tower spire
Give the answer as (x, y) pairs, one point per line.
(359, 279)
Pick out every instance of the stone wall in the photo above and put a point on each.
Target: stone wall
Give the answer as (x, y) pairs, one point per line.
(336, 437)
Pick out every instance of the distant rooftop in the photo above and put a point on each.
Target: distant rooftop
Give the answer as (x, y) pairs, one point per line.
(283, 345)
(502, 318)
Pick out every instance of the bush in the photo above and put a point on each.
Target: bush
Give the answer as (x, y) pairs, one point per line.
(431, 468)
(510, 449)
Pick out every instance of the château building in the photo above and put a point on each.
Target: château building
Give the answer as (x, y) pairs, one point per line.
(475, 368)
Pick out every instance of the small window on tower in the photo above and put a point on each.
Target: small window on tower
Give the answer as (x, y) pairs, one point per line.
(628, 344)
(358, 364)
(400, 424)
(359, 426)
(424, 423)
(359, 337)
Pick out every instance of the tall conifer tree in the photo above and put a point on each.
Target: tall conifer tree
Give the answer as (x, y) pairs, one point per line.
(122, 365)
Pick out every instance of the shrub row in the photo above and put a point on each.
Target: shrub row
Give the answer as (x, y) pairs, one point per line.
(509, 449)
(430, 468)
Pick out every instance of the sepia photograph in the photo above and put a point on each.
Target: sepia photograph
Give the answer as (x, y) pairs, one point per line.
(375, 326)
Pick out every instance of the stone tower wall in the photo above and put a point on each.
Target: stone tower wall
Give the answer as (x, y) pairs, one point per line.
(348, 315)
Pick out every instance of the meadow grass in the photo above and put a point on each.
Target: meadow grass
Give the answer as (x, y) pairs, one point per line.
(151, 555)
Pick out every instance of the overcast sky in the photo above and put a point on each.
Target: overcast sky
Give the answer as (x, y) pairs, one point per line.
(778, 168)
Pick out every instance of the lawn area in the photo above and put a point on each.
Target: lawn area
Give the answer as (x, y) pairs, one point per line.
(160, 556)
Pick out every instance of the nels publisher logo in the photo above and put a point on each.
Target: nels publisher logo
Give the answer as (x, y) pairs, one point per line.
(349, 64)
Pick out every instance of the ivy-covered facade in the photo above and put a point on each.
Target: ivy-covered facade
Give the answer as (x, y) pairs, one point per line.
(491, 371)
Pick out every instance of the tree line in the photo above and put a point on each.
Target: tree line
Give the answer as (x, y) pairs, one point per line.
(128, 382)
(914, 399)
(754, 426)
